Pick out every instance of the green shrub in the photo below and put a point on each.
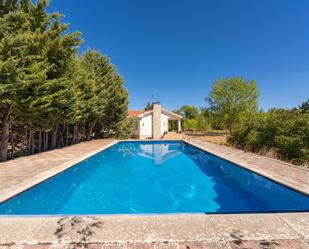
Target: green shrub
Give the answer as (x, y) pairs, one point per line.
(203, 124)
(190, 124)
(285, 131)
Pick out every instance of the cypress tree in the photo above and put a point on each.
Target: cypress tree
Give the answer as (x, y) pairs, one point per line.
(14, 43)
(33, 55)
(50, 97)
(112, 97)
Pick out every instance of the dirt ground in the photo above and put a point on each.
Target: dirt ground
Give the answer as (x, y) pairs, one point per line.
(215, 136)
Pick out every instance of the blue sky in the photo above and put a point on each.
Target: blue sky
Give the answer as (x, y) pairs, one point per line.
(175, 49)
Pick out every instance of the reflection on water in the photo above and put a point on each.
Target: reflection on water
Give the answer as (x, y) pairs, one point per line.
(159, 153)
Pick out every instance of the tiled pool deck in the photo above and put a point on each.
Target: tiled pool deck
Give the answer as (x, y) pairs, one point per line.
(281, 230)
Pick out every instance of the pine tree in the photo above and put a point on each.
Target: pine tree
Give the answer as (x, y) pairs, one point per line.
(50, 97)
(14, 47)
(112, 98)
(33, 64)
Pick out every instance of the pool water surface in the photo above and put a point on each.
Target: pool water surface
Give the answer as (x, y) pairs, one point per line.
(155, 177)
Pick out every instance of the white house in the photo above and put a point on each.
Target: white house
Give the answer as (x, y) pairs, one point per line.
(153, 123)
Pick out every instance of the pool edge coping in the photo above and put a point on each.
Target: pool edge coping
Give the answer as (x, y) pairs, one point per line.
(160, 228)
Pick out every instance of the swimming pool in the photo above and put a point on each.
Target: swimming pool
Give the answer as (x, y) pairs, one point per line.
(154, 177)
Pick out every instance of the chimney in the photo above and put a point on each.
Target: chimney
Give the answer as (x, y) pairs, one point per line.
(156, 120)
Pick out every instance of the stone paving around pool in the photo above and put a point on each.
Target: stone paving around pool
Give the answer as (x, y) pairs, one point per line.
(161, 231)
(235, 231)
(250, 244)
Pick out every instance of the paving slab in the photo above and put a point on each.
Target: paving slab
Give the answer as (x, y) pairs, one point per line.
(272, 244)
(194, 229)
(299, 223)
(254, 226)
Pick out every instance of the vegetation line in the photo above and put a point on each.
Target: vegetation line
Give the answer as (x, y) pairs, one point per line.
(233, 112)
(49, 96)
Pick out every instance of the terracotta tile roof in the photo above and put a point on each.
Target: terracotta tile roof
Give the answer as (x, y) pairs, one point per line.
(134, 113)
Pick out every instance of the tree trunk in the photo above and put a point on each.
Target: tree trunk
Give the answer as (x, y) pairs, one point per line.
(25, 143)
(12, 143)
(97, 131)
(29, 144)
(229, 125)
(32, 150)
(75, 134)
(5, 134)
(90, 131)
(67, 135)
(54, 138)
(40, 142)
(45, 141)
(61, 143)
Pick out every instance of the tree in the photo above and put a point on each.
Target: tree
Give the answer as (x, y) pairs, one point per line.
(281, 132)
(233, 100)
(190, 124)
(188, 111)
(22, 65)
(148, 106)
(34, 52)
(112, 98)
(203, 124)
(87, 111)
(304, 107)
(47, 92)
(61, 50)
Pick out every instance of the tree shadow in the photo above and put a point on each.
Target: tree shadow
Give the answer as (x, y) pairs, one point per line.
(265, 244)
(237, 237)
(78, 229)
(241, 243)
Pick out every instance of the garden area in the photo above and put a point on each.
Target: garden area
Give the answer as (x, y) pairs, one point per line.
(233, 118)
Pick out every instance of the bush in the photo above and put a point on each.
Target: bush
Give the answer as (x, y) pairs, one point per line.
(285, 131)
(199, 123)
(190, 124)
(203, 124)
(124, 128)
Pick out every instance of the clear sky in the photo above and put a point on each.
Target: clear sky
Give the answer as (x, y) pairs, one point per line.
(175, 49)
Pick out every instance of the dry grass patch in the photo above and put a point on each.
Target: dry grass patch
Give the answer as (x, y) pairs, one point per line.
(216, 136)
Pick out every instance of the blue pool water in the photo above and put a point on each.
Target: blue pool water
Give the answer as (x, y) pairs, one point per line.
(155, 177)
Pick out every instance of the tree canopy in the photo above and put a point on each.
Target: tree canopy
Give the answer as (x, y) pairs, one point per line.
(304, 107)
(233, 100)
(49, 96)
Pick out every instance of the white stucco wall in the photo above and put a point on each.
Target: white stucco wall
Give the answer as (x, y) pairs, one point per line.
(146, 126)
(164, 123)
